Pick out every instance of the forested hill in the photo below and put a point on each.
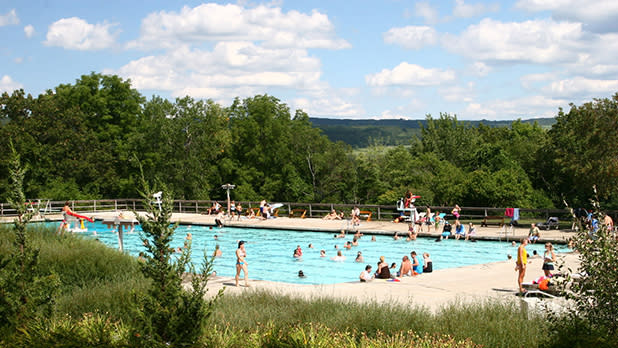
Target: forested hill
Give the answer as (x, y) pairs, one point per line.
(362, 133)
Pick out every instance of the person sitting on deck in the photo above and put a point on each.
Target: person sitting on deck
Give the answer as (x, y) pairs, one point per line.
(460, 230)
(383, 271)
(446, 231)
(406, 267)
(534, 233)
(427, 263)
(332, 216)
(366, 275)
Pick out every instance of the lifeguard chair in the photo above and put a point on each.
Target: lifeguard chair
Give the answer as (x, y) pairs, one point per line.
(410, 214)
(157, 199)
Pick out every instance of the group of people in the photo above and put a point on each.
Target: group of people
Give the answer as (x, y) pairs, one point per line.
(549, 258)
(410, 266)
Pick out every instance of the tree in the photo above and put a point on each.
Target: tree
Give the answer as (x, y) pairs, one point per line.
(25, 293)
(582, 152)
(169, 315)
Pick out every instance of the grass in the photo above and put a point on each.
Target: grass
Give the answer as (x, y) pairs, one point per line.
(101, 281)
(93, 277)
(490, 324)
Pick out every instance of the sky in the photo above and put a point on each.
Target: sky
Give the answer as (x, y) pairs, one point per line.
(362, 59)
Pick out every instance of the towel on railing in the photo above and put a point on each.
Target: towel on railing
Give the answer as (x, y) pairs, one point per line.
(515, 214)
(508, 212)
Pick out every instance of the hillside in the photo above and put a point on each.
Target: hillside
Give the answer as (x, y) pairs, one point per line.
(362, 133)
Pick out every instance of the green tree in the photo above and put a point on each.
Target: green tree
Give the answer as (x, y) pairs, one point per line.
(169, 315)
(25, 293)
(582, 153)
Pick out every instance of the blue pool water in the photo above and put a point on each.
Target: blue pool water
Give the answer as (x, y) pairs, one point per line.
(269, 252)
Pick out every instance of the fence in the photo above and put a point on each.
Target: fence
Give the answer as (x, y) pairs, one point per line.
(313, 210)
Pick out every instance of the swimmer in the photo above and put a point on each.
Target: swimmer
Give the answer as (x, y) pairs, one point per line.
(348, 245)
(373, 238)
(301, 274)
(218, 251)
(339, 257)
(310, 246)
(395, 237)
(189, 236)
(322, 253)
(216, 237)
(359, 257)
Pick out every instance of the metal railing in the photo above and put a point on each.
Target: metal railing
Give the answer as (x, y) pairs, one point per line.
(313, 210)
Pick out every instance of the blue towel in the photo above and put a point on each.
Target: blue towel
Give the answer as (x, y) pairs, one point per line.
(515, 214)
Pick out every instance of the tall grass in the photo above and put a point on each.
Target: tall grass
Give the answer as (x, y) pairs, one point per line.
(491, 324)
(93, 277)
(97, 279)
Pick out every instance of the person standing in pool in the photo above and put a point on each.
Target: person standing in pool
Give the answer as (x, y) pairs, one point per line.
(241, 263)
(522, 261)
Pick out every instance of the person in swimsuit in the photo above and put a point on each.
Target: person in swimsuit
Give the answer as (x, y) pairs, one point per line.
(427, 263)
(66, 209)
(456, 212)
(522, 261)
(241, 263)
(549, 257)
(383, 270)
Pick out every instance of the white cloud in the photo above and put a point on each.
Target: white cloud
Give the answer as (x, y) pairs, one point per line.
(582, 87)
(214, 22)
(529, 81)
(77, 34)
(424, 10)
(29, 31)
(219, 73)
(457, 94)
(10, 18)
(596, 15)
(480, 69)
(8, 85)
(464, 10)
(331, 105)
(509, 109)
(533, 41)
(412, 37)
(406, 74)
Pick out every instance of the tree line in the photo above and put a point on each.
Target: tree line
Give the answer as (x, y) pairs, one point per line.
(88, 140)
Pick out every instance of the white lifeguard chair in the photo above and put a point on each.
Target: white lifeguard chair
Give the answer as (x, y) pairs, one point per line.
(412, 215)
(157, 199)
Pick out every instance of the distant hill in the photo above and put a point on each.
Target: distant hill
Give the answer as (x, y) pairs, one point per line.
(391, 132)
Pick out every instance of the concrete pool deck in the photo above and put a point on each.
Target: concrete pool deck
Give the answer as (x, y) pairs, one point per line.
(492, 281)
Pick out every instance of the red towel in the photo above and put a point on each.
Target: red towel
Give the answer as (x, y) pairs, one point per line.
(509, 212)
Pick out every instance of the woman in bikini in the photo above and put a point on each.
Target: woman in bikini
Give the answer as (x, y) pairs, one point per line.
(241, 263)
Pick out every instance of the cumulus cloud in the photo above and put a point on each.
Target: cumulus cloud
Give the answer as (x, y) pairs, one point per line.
(8, 85)
(77, 34)
(582, 87)
(596, 15)
(457, 94)
(532, 41)
(510, 109)
(29, 31)
(328, 106)
(230, 69)
(10, 18)
(424, 10)
(214, 22)
(412, 37)
(464, 10)
(406, 74)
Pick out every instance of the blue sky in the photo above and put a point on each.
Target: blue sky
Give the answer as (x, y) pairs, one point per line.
(360, 59)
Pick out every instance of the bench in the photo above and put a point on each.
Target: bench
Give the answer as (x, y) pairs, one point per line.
(365, 214)
(296, 212)
(498, 218)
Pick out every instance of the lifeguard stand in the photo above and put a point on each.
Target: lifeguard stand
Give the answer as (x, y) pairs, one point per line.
(157, 197)
(412, 214)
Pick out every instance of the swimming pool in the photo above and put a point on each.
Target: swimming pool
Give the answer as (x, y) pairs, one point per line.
(270, 252)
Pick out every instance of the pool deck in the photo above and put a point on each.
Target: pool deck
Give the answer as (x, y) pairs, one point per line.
(492, 281)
